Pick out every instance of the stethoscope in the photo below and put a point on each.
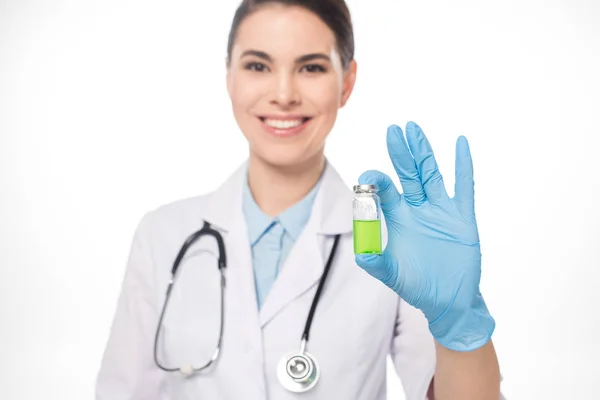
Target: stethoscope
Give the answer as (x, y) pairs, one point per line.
(297, 371)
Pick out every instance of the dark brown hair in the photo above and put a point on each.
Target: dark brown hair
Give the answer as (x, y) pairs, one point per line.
(334, 13)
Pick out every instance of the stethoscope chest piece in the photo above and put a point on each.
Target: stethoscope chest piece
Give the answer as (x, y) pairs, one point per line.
(298, 372)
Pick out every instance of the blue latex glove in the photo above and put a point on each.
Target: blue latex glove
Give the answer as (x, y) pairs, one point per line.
(432, 258)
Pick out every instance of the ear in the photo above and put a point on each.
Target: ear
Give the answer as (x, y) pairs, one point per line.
(349, 80)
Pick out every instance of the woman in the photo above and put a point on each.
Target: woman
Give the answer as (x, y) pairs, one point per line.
(290, 67)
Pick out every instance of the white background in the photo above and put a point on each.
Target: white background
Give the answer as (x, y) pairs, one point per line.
(108, 109)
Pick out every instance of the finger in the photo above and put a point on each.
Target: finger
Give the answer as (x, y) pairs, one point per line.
(387, 192)
(464, 185)
(405, 166)
(381, 267)
(431, 179)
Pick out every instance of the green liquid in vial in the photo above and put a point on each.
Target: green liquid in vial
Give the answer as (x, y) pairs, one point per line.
(367, 237)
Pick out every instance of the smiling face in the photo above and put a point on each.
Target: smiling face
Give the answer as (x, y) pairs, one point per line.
(286, 84)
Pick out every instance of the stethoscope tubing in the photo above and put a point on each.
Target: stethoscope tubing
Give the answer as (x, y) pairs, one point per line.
(188, 370)
(222, 263)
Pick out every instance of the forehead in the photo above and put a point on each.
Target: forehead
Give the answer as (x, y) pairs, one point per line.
(284, 30)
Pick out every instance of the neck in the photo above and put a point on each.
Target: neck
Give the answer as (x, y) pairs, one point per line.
(277, 188)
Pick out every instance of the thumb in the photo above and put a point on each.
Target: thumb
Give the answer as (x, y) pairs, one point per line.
(388, 194)
(380, 267)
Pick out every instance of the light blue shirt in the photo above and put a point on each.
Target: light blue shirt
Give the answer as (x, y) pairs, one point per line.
(271, 239)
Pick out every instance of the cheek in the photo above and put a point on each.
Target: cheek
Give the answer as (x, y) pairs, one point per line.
(244, 95)
(325, 96)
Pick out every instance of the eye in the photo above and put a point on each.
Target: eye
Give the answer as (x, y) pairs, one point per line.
(256, 66)
(312, 68)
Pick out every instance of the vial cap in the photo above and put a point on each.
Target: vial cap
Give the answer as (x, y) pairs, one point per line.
(365, 188)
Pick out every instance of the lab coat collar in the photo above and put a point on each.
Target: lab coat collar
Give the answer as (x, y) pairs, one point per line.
(332, 213)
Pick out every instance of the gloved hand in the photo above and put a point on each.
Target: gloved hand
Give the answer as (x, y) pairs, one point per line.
(432, 258)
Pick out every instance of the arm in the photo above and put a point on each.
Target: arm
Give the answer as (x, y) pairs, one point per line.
(466, 375)
(127, 371)
(431, 371)
(432, 260)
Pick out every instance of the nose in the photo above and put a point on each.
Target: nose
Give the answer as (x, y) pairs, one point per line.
(286, 92)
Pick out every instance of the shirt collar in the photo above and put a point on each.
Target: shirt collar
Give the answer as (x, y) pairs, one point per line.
(257, 221)
(292, 220)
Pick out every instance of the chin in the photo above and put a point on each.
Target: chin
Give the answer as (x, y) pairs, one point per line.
(299, 157)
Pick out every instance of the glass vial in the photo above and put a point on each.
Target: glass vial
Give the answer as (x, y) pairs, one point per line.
(366, 207)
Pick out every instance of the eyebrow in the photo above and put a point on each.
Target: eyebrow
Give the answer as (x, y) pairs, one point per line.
(299, 60)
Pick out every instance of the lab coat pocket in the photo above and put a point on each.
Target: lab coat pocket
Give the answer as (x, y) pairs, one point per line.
(374, 317)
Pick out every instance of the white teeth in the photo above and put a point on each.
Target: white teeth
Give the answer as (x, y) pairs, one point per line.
(283, 124)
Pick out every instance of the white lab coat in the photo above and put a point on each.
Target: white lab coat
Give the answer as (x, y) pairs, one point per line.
(357, 324)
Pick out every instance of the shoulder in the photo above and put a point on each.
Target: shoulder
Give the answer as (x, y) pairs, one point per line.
(180, 209)
(161, 232)
(168, 218)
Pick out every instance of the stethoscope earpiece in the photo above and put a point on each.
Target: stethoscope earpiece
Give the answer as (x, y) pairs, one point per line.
(187, 370)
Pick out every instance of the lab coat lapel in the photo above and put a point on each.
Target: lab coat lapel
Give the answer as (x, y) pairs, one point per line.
(224, 211)
(301, 271)
(304, 266)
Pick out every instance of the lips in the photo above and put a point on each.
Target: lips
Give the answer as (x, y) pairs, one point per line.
(284, 125)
